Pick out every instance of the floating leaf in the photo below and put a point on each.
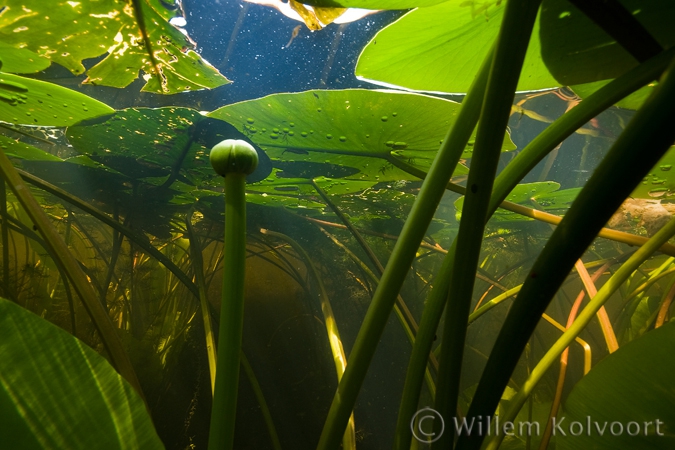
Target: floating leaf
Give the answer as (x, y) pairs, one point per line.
(365, 132)
(441, 48)
(158, 145)
(34, 102)
(55, 392)
(69, 32)
(577, 51)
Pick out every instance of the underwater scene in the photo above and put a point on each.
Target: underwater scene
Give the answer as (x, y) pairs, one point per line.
(337, 224)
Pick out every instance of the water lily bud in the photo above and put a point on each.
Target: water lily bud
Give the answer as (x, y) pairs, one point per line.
(233, 155)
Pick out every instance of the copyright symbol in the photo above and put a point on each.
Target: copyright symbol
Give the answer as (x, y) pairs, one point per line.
(417, 421)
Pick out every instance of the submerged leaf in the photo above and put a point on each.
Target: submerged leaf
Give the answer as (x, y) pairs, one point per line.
(55, 392)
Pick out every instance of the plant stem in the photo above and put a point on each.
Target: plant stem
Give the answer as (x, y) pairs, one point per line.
(512, 42)
(198, 267)
(223, 413)
(431, 316)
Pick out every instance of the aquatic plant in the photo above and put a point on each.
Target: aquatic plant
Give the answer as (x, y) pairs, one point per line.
(351, 160)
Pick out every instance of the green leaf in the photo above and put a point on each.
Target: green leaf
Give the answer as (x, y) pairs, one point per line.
(373, 4)
(577, 51)
(58, 393)
(34, 102)
(631, 386)
(440, 49)
(525, 194)
(353, 133)
(69, 32)
(20, 60)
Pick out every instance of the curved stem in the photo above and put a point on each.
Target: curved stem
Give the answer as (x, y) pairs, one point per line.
(198, 268)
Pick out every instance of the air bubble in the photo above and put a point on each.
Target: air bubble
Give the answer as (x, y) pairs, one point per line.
(384, 118)
(250, 120)
(343, 138)
(329, 136)
(303, 134)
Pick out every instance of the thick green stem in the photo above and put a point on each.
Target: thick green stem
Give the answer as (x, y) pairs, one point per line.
(622, 169)
(459, 136)
(512, 42)
(223, 413)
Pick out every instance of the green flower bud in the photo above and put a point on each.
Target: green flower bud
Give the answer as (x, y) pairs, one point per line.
(233, 155)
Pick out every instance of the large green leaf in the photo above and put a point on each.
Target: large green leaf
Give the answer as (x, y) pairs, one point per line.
(627, 390)
(577, 51)
(155, 144)
(34, 102)
(68, 32)
(353, 133)
(440, 49)
(55, 392)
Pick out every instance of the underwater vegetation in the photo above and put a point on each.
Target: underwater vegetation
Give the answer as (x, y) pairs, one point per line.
(467, 248)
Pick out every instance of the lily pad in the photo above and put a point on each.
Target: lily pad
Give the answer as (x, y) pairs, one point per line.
(158, 145)
(33, 102)
(577, 51)
(441, 48)
(623, 397)
(369, 131)
(55, 392)
(68, 32)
